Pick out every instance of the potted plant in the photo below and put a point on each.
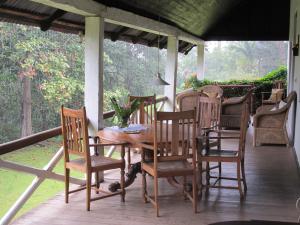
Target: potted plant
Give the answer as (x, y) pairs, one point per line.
(123, 112)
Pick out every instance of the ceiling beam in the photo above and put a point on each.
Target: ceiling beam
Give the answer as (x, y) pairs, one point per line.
(115, 36)
(139, 36)
(182, 46)
(2, 2)
(163, 42)
(189, 49)
(120, 17)
(35, 20)
(46, 23)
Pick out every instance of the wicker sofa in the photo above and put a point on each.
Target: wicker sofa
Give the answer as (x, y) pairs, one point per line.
(232, 111)
(269, 122)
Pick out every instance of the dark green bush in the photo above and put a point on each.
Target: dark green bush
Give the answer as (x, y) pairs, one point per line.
(263, 84)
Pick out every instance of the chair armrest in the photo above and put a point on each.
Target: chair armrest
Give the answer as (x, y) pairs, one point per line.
(219, 137)
(146, 146)
(225, 131)
(104, 143)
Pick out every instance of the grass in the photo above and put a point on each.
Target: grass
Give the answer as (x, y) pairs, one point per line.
(13, 184)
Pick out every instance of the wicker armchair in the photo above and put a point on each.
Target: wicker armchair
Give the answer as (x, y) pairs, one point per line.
(232, 111)
(188, 99)
(209, 90)
(270, 123)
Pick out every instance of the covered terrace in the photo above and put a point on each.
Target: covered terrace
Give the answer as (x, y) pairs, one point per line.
(177, 26)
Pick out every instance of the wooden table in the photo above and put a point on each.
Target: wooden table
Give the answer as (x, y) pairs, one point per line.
(134, 140)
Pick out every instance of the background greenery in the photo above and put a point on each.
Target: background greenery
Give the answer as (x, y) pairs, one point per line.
(263, 84)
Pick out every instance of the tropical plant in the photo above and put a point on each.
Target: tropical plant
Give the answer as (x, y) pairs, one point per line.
(123, 112)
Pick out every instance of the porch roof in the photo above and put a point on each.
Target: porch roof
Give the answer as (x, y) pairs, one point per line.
(208, 19)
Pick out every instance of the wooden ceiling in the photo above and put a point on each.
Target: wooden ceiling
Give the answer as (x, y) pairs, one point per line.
(217, 19)
(206, 19)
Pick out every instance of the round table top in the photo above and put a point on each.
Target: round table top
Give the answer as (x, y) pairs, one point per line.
(143, 136)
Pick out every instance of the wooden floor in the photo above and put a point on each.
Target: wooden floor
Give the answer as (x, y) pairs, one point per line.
(273, 187)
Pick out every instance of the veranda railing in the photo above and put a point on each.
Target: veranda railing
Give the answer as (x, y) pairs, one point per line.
(47, 171)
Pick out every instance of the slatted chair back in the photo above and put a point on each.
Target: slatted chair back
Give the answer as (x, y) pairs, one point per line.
(209, 113)
(245, 119)
(147, 108)
(75, 133)
(174, 134)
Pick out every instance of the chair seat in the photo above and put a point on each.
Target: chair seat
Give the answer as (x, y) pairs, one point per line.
(201, 141)
(169, 168)
(97, 163)
(221, 153)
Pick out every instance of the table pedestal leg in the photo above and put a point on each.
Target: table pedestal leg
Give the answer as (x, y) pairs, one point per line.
(130, 177)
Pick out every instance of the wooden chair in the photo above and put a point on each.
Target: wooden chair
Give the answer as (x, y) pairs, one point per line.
(229, 156)
(209, 112)
(76, 142)
(144, 115)
(171, 153)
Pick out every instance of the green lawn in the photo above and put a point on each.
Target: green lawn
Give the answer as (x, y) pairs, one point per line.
(13, 184)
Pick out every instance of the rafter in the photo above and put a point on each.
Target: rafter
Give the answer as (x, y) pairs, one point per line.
(183, 45)
(46, 23)
(139, 36)
(163, 42)
(35, 20)
(155, 41)
(2, 2)
(115, 36)
(189, 49)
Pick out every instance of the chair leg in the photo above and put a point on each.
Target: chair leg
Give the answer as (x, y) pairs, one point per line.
(122, 174)
(156, 195)
(207, 176)
(195, 191)
(244, 175)
(200, 179)
(144, 184)
(128, 158)
(97, 179)
(220, 169)
(67, 183)
(122, 184)
(239, 179)
(88, 190)
(184, 188)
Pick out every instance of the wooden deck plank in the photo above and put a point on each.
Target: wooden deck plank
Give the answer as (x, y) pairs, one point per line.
(273, 187)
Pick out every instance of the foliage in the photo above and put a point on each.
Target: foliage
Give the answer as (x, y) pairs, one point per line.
(263, 84)
(54, 62)
(123, 112)
(243, 59)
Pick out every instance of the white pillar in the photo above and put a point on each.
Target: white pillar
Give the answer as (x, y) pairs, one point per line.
(200, 61)
(171, 73)
(93, 90)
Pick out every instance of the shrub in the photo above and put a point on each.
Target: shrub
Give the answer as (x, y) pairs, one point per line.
(263, 84)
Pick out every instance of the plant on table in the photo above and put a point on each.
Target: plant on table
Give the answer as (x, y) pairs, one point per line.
(123, 112)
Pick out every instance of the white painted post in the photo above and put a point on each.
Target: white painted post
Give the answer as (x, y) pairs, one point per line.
(171, 73)
(200, 61)
(93, 90)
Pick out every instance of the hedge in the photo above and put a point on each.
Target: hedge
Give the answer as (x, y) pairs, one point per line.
(263, 84)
